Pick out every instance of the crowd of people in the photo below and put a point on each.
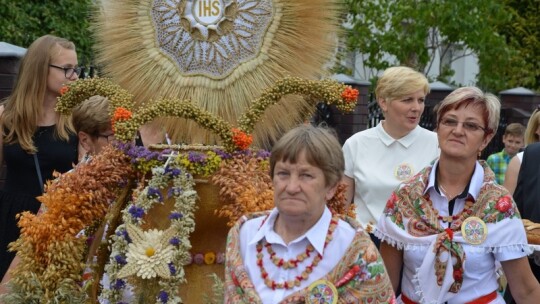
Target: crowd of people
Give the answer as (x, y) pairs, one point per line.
(440, 220)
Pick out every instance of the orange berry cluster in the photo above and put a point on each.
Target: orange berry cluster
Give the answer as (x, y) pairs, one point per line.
(120, 114)
(241, 139)
(349, 94)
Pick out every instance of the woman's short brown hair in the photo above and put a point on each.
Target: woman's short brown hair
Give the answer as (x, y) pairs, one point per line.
(321, 149)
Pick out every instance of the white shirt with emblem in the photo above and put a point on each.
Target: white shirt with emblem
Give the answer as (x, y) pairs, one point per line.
(378, 163)
(257, 229)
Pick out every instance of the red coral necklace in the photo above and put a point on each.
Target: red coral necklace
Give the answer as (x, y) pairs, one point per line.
(292, 263)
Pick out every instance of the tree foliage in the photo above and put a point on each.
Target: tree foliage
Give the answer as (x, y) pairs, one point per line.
(523, 33)
(24, 21)
(417, 32)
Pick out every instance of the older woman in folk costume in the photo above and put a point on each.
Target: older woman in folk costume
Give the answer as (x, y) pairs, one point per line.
(281, 256)
(449, 225)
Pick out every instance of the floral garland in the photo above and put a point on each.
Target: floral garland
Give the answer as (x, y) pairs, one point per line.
(82, 89)
(328, 91)
(239, 138)
(153, 260)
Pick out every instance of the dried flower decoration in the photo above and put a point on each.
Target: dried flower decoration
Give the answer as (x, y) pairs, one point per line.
(350, 95)
(238, 138)
(153, 259)
(64, 90)
(241, 139)
(53, 255)
(82, 89)
(120, 114)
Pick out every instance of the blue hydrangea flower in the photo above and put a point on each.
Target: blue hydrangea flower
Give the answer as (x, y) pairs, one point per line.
(163, 296)
(136, 212)
(154, 192)
(176, 216)
(172, 269)
(120, 259)
(174, 241)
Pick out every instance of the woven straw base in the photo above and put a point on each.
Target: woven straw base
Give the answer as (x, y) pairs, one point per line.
(210, 235)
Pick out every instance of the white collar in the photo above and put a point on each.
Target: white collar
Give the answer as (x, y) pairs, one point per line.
(405, 141)
(474, 184)
(313, 234)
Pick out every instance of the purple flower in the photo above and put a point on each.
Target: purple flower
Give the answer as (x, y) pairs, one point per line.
(154, 192)
(120, 259)
(176, 216)
(263, 154)
(163, 296)
(173, 191)
(222, 154)
(220, 258)
(173, 172)
(198, 259)
(172, 269)
(137, 153)
(118, 284)
(136, 212)
(123, 233)
(196, 157)
(174, 241)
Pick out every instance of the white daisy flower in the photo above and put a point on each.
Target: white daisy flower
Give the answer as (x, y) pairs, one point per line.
(149, 253)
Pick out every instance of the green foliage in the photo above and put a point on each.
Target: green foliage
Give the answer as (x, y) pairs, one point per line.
(412, 31)
(523, 33)
(24, 21)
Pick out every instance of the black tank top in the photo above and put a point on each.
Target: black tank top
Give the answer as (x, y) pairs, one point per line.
(53, 154)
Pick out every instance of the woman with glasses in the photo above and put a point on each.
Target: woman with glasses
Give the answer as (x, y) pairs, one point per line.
(92, 124)
(35, 139)
(450, 224)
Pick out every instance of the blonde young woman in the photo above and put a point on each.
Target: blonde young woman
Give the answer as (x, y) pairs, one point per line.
(92, 124)
(377, 160)
(449, 226)
(532, 135)
(35, 139)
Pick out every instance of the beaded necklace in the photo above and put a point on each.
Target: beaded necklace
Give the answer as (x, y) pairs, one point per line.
(456, 220)
(465, 212)
(292, 263)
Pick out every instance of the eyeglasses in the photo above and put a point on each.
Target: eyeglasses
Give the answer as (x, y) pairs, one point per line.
(68, 72)
(108, 137)
(467, 125)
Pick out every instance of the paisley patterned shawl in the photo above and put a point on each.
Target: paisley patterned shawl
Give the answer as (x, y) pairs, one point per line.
(370, 285)
(410, 221)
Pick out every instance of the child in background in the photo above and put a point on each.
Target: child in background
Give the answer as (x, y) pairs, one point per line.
(513, 142)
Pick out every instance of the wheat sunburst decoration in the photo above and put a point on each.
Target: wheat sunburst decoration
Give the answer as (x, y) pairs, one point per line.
(221, 54)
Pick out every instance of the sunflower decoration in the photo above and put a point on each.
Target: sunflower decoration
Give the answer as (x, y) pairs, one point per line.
(219, 54)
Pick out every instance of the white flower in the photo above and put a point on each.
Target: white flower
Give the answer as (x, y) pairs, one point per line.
(149, 253)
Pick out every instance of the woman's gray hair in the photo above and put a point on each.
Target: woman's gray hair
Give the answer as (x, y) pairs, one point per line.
(321, 148)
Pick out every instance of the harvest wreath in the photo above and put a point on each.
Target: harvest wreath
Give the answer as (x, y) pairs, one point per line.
(123, 192)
